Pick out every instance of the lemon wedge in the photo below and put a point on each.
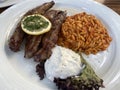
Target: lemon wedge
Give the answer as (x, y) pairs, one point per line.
(35, 24)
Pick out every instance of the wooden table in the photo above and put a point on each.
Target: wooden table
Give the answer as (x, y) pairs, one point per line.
(113, 4)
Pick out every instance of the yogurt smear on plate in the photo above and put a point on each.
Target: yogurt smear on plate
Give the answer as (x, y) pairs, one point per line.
(63, 63)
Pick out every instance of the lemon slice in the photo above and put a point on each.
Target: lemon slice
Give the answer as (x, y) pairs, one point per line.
(35, 24)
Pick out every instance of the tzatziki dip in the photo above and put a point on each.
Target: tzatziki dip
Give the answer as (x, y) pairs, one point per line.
(63, 63)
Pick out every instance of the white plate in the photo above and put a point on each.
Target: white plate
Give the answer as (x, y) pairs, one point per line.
(17, 73)
(9, 2)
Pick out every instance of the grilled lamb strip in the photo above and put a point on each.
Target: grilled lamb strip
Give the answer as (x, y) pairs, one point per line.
(16, 39)
(33, 41)
(18, 36)
(32, 44)
(40, 67)
(41, 70)
(50, 38)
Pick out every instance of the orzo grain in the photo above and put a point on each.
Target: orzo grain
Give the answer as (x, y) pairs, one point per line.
(84, 33)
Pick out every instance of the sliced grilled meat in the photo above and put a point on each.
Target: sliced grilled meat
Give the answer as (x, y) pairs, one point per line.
(50, 38)
(40, 70)
(17, 37)
(32, 41)
(32, 44)
(40, 67)
(42, 9)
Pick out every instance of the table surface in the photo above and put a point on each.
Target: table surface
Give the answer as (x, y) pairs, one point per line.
(113, 4)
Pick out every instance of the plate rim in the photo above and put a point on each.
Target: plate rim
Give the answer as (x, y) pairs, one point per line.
(58, 1)
(7, 3)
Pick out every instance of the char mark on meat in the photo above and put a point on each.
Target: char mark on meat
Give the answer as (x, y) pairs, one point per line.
(32, 41)
(50, 38)
(18, 36)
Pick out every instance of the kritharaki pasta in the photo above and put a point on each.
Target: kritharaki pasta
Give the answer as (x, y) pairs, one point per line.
(84, 33)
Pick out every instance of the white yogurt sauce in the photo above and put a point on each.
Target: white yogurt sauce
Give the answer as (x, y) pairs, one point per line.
(62, 63)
